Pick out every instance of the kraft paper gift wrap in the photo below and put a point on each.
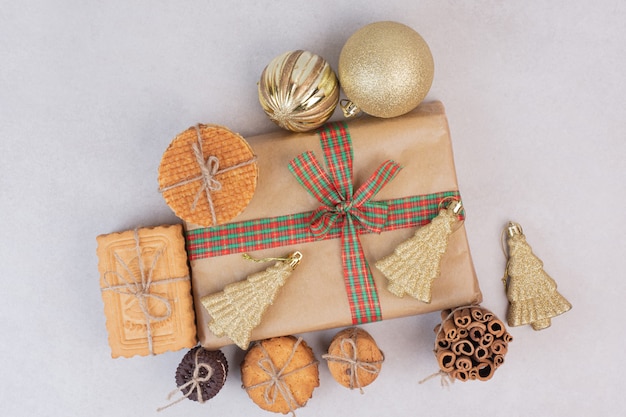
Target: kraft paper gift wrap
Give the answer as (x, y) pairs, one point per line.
(320, 293)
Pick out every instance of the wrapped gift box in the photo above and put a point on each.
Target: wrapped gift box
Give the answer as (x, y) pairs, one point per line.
(331, 288)
(146, 291)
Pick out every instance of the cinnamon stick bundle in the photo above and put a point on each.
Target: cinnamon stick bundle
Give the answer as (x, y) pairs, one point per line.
(471, 343)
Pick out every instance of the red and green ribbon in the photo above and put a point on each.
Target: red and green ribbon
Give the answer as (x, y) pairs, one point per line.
(343, 214)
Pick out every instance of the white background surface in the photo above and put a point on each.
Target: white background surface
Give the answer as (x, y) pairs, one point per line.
(91, 94)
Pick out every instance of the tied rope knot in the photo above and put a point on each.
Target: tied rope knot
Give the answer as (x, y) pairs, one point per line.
(209, 170)
(276, 384)
(194, 384)
(139, 287)
(349, 356)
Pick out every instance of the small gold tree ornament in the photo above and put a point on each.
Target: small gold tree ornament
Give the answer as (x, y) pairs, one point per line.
(531, 291)
(415, 263)
(238, 309)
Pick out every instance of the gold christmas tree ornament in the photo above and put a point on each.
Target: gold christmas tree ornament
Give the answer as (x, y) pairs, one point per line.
(299, 91)
(415, 263)
(531, 291)
(386, 69)
(238, 309)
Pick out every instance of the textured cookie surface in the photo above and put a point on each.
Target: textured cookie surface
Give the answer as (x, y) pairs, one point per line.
(184, 183)
(146, 291)
(354, 369)
(292, 362)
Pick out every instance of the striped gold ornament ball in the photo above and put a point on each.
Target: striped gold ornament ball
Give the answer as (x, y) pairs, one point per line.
(299, 91)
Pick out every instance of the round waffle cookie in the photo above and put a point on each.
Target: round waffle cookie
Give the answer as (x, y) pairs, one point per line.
(208, 175)
(215, 360)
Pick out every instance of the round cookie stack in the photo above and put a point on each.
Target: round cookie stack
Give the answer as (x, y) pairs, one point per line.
(280, 374)
(203, 372)
(354, 359)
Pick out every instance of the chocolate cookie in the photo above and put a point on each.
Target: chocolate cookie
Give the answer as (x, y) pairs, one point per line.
(196, 365)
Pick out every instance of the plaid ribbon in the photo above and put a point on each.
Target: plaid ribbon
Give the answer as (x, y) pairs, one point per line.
(342, 214)
(346, 210)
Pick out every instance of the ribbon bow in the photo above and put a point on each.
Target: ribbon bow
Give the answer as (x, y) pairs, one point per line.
(352, 213)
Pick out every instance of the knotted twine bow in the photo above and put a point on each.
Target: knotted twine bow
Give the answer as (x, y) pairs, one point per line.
(209, 170)
(193, 384)
(349, 356)
(276, 384)
(139, 287)
(352, 212)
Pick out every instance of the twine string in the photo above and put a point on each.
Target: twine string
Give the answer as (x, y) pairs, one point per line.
(446, 378)
(349, 356)
(139, 287)
(209, 170)
(193, 384)
(277, 385)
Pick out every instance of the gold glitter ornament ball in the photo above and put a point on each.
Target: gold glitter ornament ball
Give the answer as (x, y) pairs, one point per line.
(299, 91)
(386, 69)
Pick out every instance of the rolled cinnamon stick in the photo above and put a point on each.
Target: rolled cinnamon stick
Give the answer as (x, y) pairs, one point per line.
(485, 370)
(477, 313)
(445, 314)
(462, 317)
(486, 340)
(487, 315)
(446, 359)
(476, 330)
(473, 374)
(464, 363)
(498, 360)
(507, 337)
(463, 333)
(496, 327)
(460, 374)
(499, 347)
(441, 342)
(480, 353)
(449, 329)
(463, 347)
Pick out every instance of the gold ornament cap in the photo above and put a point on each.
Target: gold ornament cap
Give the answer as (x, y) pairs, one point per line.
(386, 69)
(514, 229)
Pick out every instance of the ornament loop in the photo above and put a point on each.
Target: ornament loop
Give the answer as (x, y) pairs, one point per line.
(349, 108)
(510, 230)
(293, 259)
(457, 208)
